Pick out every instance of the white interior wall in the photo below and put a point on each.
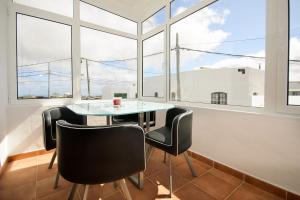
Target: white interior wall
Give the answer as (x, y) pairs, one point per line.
(3, 83)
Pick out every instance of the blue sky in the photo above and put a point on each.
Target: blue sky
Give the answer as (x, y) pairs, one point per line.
(245, 21)
(294, 17)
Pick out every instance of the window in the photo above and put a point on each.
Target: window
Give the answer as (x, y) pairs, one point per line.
(108, 65)
(219, 98)
(218, 49)
(178, 6)
(294, 54)
(104, 18)
(62, 7)
(153, 66)
(154, 21)
(44, 66)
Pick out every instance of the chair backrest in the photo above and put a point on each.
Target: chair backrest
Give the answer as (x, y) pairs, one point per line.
(50, 117)
(99, 154)
(180, 122)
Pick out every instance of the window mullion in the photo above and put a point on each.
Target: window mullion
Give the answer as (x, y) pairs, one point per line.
(76, 55)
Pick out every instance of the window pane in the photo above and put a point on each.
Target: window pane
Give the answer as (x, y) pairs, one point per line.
(178, 6)
(154, 21)
(62, 7)
(217, 50)
(109, 65)
(104, 18)
(294, 56)
(153, 66)
(43, 58)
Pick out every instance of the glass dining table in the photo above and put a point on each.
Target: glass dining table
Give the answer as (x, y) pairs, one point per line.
(107, 109)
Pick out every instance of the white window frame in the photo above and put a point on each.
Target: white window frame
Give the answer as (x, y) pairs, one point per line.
(283, 61)
(276, 48)
(154, 32)
(75, 23)
(277, 40)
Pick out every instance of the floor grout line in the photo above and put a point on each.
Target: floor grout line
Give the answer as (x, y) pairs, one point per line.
(191, 181)
(233, 191)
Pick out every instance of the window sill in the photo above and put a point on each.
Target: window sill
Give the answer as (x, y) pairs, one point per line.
(237, 109)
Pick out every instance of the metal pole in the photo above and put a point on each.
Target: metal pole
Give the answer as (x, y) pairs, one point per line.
(177, 48)
(88, 77)
(48, 79)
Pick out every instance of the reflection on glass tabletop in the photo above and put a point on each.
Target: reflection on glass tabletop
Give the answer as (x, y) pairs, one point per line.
(106, 107)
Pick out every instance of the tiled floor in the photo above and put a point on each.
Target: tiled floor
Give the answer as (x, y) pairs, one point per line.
(31, 179)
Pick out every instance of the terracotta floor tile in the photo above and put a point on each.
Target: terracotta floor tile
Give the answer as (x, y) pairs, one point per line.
(162, 178)
(225, 177)
(18, 177)
(94, 192)
(115, 196)
(30, 178)
(154, 166)
(150, 191)
(26, 191)
(184, 170)
(192, 192)
(22, 164)
(249, 192)
(59, 195)
(157, 154)
(107, 189)
(177, 160)
(98, 191)
(215, 186)
(44, 172)
(45, 186)
(46, 158)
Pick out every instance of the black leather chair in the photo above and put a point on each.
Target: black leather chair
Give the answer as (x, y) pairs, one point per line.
(175, 137)
(99, 154)
(49, 118)
(134, 119)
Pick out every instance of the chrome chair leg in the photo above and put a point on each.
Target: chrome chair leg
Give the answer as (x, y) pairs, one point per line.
(165, 157)
(170, 176)
(189, 162)
(125, 189)
(56, 180)
(141, 180)
(52, 160)
(86, 190)
(72, 192)
(149, 152)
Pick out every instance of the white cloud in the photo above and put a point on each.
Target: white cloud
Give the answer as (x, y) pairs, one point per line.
(180, 10)
(195, 31)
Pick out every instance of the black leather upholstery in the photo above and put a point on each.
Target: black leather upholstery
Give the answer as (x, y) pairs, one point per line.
(50, 117)
(134, 119)
(99, 154)
(176, 136)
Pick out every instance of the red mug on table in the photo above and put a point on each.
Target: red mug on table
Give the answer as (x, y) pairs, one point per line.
(117, 101)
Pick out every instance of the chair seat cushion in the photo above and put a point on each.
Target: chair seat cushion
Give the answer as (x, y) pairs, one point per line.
(162, 136)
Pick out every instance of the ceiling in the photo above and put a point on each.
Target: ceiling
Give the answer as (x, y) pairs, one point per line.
(133, 9)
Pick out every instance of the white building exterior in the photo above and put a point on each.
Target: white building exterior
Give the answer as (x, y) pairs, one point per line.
(130, 89)
(244, 86)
